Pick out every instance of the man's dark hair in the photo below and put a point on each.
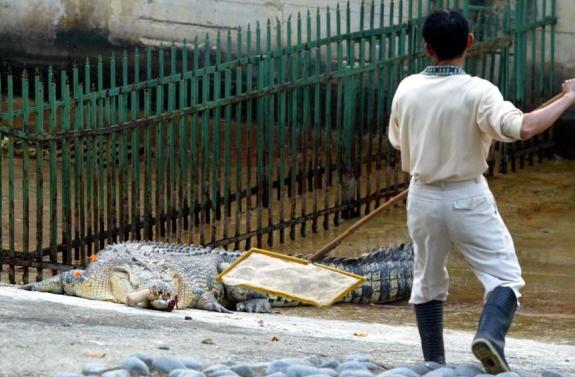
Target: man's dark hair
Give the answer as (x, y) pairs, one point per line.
(446, 32)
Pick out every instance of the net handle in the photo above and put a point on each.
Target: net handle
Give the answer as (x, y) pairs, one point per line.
(337, 241)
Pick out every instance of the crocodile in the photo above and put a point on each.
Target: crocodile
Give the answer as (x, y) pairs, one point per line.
(167, 276)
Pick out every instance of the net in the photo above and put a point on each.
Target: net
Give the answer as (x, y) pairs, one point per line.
(293, 278)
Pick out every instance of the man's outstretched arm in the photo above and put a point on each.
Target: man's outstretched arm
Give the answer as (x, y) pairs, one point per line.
(539, 120)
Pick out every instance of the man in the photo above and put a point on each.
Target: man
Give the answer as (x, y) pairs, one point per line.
(444, 122)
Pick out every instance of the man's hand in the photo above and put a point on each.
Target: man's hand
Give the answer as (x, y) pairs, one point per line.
(541, 119)
(568, 89)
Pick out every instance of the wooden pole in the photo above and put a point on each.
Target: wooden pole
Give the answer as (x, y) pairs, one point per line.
(337, 241)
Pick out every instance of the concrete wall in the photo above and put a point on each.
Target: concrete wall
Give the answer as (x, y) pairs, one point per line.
(56, 29)
(565, 47)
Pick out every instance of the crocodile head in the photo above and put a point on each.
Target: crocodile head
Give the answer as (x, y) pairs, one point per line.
(162, 295)
(159, 294)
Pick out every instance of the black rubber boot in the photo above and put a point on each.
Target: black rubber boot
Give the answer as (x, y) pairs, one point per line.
(430, 324)
(494, 323)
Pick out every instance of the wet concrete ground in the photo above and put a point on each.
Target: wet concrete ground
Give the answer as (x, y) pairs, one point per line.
(45, 333)
(538, 206)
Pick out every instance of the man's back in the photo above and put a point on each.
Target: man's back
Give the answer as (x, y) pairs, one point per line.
(445, 124)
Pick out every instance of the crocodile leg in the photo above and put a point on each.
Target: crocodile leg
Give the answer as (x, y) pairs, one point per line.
(122, 287)
(207, 301)
(255, 305)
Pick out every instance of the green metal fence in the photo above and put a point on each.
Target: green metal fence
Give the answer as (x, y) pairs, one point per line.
(271, 132)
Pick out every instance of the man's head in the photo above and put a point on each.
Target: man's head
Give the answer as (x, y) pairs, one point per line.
(446, 34)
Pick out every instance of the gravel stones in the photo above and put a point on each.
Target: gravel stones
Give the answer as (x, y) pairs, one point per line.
(467, 371)
(305, 371)
(167, 364)
(243, 370)
(283, 364)
(350, 365)
(442, 372)
(138, 365)
(186, 373)
(399, 371)
(117, 373)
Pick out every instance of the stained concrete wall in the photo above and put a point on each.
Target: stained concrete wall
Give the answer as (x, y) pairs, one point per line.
(56, 29)
(565, 48)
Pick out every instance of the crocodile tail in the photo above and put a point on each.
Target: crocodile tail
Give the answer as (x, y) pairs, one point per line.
(52, 285)
(388, 273)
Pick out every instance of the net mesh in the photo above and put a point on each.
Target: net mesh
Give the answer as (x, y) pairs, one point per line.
(290, 277)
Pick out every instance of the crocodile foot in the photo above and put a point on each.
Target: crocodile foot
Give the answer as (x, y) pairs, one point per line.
(256, 305)
(214, 306)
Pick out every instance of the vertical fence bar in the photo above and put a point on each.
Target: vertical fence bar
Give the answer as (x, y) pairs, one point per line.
(249, 138)
(111, 163)
(315, 168)
(53, 173)
(380, 109)
(541, 93)
(293, 62)
(195, 188)
(160, 154)
(25, 174)
(259, 139)
(11, 204)
(305, 130)
(125, 148)
(216, 146)
(100, 142)
(327, 141)
(77, 161)
(283, 148)
(227, 140)
(239, 142)
(39, 100)
(148, 170)
(184, 147)
(370, 109)
(541, 87)
(171, 185)
(361, 131)
(339, 124)
(550, 132)
(65, 165)
(135, 155)
(269, 130)
(348, 155)
(91, 123)
(552, 48)
(79, 167)
(205, 153)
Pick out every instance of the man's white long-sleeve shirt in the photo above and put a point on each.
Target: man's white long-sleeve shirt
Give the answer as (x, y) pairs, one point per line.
(444, 124)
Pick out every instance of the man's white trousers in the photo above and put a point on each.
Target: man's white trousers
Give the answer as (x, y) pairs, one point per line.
(464, 215)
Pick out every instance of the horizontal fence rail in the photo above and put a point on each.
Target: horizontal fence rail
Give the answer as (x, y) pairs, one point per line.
(258, 136)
